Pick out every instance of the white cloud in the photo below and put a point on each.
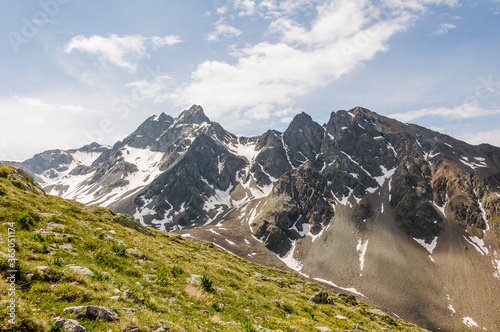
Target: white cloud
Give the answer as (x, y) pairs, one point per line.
(74, 108)
(146, 89)
(491, 137)
(465, 111)
(278, 8)
(39, 105)
(269, 76)
(113, 49)
(444, 29)
(246, 7)
(32, 102)
(223, 30)
(40, 22)
(31, 125)
(119, 51)
(420, 5)
(221, 10)
(165, 41)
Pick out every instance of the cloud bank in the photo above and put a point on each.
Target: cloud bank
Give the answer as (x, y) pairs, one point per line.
(119, 51)
(267, 77)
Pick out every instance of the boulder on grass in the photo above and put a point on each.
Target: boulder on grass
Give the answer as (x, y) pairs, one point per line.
(70, 325)
(94, 313)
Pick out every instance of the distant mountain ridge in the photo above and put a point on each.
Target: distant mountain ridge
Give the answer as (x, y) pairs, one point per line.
(345, 187)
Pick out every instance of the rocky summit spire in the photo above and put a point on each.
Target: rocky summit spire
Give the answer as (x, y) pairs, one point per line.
(194, 115)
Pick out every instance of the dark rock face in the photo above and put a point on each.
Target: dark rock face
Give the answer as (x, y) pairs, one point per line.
(149, 131)
(303, 139)
(301, 203)
(194, 115)
(411, 197)
(321, 297)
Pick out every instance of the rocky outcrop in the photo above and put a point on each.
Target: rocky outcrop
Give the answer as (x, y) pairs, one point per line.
(299, 203)
(69, 325)
(94, 313)
(321, 297)
(80, 269)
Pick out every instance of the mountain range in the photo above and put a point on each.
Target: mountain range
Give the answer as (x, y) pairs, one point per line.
(404, 217)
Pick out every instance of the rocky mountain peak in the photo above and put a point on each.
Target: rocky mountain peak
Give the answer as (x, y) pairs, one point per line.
(302, 118)
(148, 131)
(93, 147)
(303, 139)
(165, 118)
(194, 115)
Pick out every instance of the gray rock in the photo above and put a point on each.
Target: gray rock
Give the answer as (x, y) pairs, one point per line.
(170, 327)
(134, 329)
(43, 269)
(94, 313)
(321, 298)
(66, 246)
(52, 225)
(348, 298)
(70, 325)
(80, 269)
(324, 329)
(129, 295)
(377, 312)
(267, 278)
(162, 329)
(150, 277)
(194, 279)
(134, 251)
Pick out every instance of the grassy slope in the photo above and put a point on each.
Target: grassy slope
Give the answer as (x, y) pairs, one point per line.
(239, 301)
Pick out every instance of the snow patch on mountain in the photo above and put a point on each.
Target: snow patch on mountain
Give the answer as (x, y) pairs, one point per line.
(290, 261)
(352, 290)
(355, 162)
(429, 247)
(219, 198)
(478, 244)
(440, 208)
(244, 150)
(389, 146)
(483, 214)
(386, 174)
(285, 147)
(479, 162)
(362, 247)
(469, 322)
(496, 266)
(430, 155)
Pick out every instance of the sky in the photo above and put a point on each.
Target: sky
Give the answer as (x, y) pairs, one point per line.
(77, 71)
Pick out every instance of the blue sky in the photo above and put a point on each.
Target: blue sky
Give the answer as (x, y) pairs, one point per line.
(75, 71)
